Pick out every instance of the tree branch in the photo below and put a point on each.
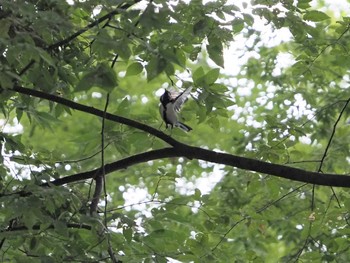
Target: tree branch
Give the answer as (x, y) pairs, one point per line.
(332, 135)
(97, 112)
(79, 32)
(37, 227)
(325, 155)
(183, 150)
(190, 152)
(91, 25)
(100, 179)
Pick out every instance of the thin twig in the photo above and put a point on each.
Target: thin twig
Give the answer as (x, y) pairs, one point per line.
(156, 201)
(99, 179)
(82, 159)
(110, 249)
(325, 154)
(103, 161)
(257, 211)
(38, 227)
(91, 25)
(313, 198)
(227, 232)
(332, 134)
(309, 120)
(325, 48)
(128, 35)
(28, 66)
(79, 32)
(306, 242)
(279, 199)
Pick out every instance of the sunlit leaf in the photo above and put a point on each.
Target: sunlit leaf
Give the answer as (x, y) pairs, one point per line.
(315, 16)
(212, 76)
(198, 76)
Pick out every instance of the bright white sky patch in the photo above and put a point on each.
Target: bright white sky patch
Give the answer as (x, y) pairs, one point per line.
(96, 95)
(11, 128)
(134, 196)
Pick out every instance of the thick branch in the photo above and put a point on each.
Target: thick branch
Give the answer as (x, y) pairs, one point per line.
(283, 171)
(182, 150)
(118, 165)
(96, 112)
(37, 227)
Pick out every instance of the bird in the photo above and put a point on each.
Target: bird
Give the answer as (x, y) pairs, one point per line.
(170, 105)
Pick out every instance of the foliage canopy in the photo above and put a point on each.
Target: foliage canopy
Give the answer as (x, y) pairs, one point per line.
(88, 175)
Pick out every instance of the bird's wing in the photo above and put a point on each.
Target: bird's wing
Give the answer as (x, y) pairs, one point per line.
(173, 95)
(161, 110)
(180, 99)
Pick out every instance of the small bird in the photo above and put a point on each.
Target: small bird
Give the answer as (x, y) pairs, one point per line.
(170, 104)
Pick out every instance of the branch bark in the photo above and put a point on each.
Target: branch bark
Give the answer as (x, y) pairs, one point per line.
(182, 150)
(97, 112)
(37, 227)
(244, 163)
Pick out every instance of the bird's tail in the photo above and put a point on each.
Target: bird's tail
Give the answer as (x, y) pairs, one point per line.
(183, 126)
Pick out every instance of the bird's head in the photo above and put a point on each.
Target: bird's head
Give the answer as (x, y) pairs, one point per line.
(166, 97)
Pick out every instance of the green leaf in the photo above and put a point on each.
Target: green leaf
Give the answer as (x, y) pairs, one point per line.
(169, 69)
(212, 76)
(198, 76)
(200, 27)
(45, 56)
(220, 14)
(123, 49)
(215, 51)
(33, 243)
(61, 228)
(29, 220)
(197, 194)
(315, 16)
(5, 81)
(213, 123)
(237, 25)
(194, 53)
(181, 57)
(304, 4)
(209, 225)
(102, 76)
(299, 68)
(124, 107)
(229, 9)
(248, 19)
(5, 26)
(134, 69)
(45, 119)
(218, 88)
(154, 67)
(127, 232)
